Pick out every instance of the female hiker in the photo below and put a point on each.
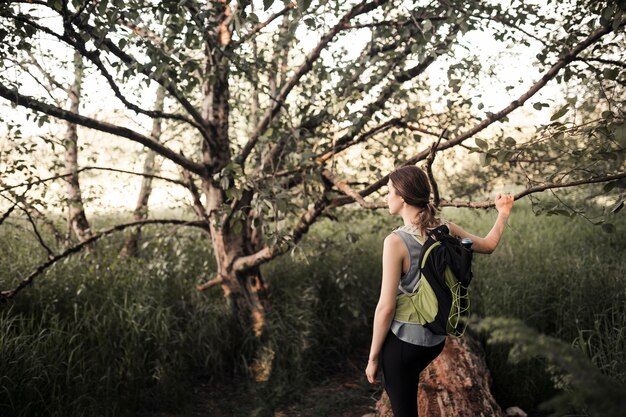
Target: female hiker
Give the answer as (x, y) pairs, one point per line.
(403, 350)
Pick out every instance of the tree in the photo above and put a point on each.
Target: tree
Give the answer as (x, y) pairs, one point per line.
(223, 64)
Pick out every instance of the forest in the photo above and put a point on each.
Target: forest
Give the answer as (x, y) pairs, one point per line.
(193, 201)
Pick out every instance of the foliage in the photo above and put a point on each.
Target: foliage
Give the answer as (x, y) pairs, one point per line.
(584, 387)
(104, 336)
(295, 105)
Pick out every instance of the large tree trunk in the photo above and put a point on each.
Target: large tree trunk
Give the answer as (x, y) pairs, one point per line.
(77, 220)
(457, 383)
(131, 246)
(244, 290)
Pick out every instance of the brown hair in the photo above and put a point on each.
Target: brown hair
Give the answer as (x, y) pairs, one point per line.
(413, 186)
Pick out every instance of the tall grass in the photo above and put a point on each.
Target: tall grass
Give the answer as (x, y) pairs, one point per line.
(98, 335)
(103, 336)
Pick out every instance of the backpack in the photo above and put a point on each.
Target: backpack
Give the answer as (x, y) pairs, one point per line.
(440, 299)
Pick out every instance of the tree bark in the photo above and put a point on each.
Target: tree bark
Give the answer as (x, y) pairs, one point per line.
(77, 220)
(457, 383)
(245, 291)
(131, 245)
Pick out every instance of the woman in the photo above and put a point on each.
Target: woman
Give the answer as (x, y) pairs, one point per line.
(403, 350)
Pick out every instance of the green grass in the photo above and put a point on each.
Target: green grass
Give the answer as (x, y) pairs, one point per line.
(102, 336)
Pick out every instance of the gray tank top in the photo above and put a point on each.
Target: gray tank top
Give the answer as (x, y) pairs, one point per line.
(415, 334)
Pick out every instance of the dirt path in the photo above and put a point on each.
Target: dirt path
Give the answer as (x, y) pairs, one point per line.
(344, 394)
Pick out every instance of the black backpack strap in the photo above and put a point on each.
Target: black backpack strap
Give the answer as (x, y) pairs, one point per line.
(438, 232)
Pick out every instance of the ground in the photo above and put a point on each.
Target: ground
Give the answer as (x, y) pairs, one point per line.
(346, 393)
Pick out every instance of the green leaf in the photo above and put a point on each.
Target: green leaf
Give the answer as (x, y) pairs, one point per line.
(609, 186)
(617, 207)
(610, 73)
(427, 25)
(503, 155)
(484, 159)
(509, 141)
(303, 5)
(55, 4)
(267, 4)
(560, 113)
(102, 6)
(608, 228)
(608, 115)
(481, 144)
(537, 106)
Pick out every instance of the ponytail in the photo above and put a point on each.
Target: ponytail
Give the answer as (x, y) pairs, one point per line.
(427, 218)
(413, 185)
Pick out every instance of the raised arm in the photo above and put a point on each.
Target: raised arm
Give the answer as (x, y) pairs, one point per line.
(487, 244)
(393, 248)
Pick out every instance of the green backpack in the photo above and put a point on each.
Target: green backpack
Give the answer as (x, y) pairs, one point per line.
(440, 299)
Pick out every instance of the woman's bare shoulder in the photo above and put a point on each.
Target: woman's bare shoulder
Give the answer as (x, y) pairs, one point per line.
(392, 240)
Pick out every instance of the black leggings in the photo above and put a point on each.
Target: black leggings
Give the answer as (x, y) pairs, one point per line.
(401, 364)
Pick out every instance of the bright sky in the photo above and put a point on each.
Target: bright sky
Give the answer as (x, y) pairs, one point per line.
(120, 191)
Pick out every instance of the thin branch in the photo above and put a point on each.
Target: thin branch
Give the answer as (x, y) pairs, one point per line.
(8, 213)
(8, 294)
(603, 61)
(549, 75)
(34, 226)
(528, 191)
(345, 188)
(260, 26)
(429, 167)
(345, 145)
(93, 56)
(53, 81)
(36, 231)
(15, 97)
(195, 194)
(211, 283)
(87, 168)
(398, 78)
(361, 8)
(414, 128)
(132, 63)
(536, 189)
(269, 252)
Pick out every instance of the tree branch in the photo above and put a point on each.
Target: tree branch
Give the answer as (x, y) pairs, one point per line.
(528, 191)
(361, 8)
(8, 294)
(34, 226)
(7, 213)
(131, 62)
(15, 97)
(211, 283)
(270, 252)
(345, 145)
(536, 189)
(88, 168)
(603, 61)
(260, 26)
(429, 168)
(345, 188)
(195, 195)
(79, 45)
(549, 75)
